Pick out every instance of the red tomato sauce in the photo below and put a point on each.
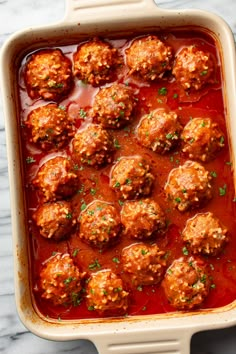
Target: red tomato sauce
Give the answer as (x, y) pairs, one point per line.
(94, 184)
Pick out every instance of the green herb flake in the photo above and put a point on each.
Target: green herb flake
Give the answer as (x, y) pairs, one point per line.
(75, 252)
(95, 265)
(115, 260)
(229, 163)
(213, 286)
(178, 200)
(185, 251)
(213, 174)
(83, 206)
(117, 290)
(175, 95)
(222, 190)
(68, 280)
(162, 91)
(222, 140)
(93, 191)
(116, 144)
(121, 203)
(139, 288)
(30, 159)
(169, 136)
(204, 72)
(69, 216)
(144, 252)
(128, 181)
(91, 308)
(82, 113)
(116, 185)
(203, 278)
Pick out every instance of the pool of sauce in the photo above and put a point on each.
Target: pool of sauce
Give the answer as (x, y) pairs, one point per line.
(94, 184)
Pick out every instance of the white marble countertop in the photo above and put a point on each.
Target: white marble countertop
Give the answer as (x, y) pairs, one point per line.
(14, 338)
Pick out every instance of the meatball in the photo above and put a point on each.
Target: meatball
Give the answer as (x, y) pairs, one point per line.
(186, 283)
(144, 264)
(193, 68)
(92, 146)
(60, 280)
(50, 126)
(95, 62)
(202, 139)
(55, 220)
(48, 75)
(141, 218)
(105, 293)
(159, 130)
(149, 57)
(131, 178)
(99, 224)
(205, 234)
(188, 186)
(113, 106)
(56, 179)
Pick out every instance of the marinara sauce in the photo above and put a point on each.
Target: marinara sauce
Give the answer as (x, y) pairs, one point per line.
(94, 183)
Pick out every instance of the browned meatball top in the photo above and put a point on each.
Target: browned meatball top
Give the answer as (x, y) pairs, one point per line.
(188, 186)
(55, 220)
(48, 75)
(50, 126)
(141, 218)
(205, 234)
(105, 293)
(95, 62)
(149, 57)
(193, 68)
(92, 146)
(159, 130)
(113, 106)
(202, 139)
(56, 179)
(60, 280)
(186, 283)
(99, 223)
(143, 263)
(130, 177)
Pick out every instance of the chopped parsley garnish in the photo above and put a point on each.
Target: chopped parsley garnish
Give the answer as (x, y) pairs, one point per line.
(95, 264)
(213, 286)
(169, 136)
(116, 144)
(144, 252)
(83, 206)
(117, 290)
(115, 260)
(222, 139)
(139, 288)
(75, 252)
(120, 202)
(69, 280)
(213, 174)
(116, 185)
(175, 95)
(185, 251)
(162, 91)
(69, 215)
(91, 308)
(93, 191)
(204, 72)
(128, 181)
(203, 278)
(178, 200)
(82, 113)
(29, 159)
(222, 190)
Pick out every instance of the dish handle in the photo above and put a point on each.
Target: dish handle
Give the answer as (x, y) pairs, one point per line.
(81, 11)
(168, 341)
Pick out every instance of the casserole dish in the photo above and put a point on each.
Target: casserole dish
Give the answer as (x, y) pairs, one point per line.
(169, 333)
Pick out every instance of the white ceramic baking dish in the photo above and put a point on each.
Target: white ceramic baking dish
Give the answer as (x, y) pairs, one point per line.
(168, 333)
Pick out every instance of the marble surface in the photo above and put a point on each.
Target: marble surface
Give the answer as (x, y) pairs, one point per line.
(14, 338)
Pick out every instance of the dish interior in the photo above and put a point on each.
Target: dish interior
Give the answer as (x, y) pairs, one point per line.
(94, 183)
